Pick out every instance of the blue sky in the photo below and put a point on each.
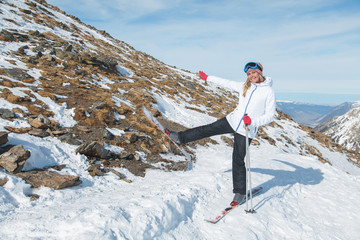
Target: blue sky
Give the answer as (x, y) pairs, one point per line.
(309, 46)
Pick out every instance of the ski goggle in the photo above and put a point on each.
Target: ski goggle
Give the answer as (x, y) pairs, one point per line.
(253, 65)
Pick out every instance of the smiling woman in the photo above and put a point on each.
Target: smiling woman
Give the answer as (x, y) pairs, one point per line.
(256, 107)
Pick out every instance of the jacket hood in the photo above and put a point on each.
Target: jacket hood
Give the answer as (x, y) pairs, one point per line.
(268, 82)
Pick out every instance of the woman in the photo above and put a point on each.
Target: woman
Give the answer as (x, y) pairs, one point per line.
(256, 107)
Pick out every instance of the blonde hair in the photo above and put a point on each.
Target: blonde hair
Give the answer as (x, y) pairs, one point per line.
(247, 84)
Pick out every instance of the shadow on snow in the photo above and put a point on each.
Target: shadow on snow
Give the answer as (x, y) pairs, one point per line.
(287, 179)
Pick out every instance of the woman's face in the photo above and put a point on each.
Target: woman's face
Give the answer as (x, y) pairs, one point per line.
(253, 76)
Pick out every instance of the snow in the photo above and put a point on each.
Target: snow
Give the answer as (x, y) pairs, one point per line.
(63, 115)
(118, 102)
(302, 197)
(171, 110)
(115, 131)
(8, 105)
(124, 71)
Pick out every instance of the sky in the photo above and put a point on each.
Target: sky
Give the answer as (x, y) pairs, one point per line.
(310, 48)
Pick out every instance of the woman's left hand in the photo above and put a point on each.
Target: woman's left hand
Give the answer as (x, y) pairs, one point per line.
(247, 120)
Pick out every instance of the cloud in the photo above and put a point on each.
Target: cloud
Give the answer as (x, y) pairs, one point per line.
(302, 44)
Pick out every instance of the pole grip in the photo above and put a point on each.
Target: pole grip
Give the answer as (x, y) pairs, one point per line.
(246, 125)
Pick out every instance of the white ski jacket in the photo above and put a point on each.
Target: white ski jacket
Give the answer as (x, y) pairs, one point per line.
(259, 103)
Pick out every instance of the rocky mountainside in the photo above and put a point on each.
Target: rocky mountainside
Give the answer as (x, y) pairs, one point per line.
(60, 78)
(344, 129)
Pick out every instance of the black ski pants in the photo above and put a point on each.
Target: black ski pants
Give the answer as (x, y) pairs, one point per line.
(222, 126)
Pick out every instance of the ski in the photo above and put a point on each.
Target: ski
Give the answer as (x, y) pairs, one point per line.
(158, 124)
(255, 191)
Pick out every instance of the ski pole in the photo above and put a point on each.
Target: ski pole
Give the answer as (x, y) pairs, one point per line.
(248, 173)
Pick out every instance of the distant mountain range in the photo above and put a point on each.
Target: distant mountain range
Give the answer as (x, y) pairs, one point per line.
(341, 123)
(312, 114)
(305, 113)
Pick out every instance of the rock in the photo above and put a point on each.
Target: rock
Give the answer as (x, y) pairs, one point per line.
(68, 138)
(3, 138)
(84, 129)
(6, 36)
(69, 48)
(91, 60)
(155, 112)
(178, 166)
(39, 132)
(37, 124)
(108, 135)
(124, 155)
(133, 156)
(255, 142)
(137, 157)
(12, 36)
(17, 74)
(94, 149)
(33, 197)
(99, 105)
(190, 85)
(120, 175)
(65, 55)
(6, 113)
(17, 130)
(57, 132)
(5, 148)
(13, 160)
(138, 168)
(41, 122)
(21, 50)
(131, 137)
(95, 170)
(49, 58)
(107, 60)
(29, 59)
(36, 33)
(59, 167)
(3, 181)
(49, 179)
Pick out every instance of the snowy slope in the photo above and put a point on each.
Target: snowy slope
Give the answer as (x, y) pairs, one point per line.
(303, 198)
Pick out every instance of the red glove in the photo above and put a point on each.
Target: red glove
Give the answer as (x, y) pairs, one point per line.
(247, 120)
(203, 75)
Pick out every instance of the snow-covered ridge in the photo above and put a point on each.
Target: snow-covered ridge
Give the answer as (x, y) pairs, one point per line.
(339, 110)
(344, 129)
